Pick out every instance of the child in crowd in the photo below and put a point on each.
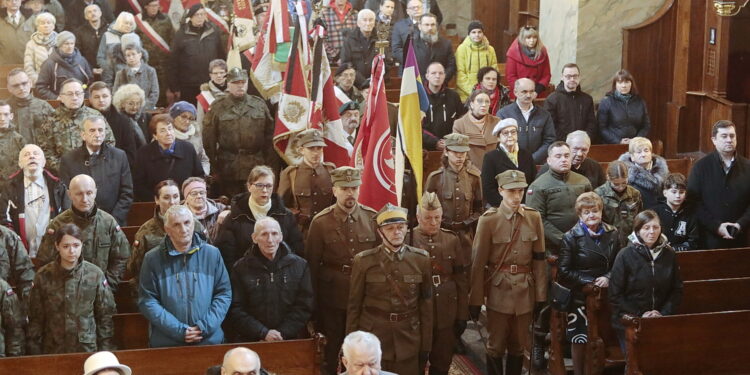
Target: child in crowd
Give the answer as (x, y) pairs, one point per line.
(621, 201)
(678, 220)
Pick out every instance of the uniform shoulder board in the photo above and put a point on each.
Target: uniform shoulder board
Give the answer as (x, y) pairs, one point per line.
(447, 231)
(366, 208)
(527, 208)
(490, 211)
(367, 252)
(329, 164)
(435, 172)
(419, 251)
(473, 171)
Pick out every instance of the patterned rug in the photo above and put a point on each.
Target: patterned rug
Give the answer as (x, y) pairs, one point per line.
(462, 365)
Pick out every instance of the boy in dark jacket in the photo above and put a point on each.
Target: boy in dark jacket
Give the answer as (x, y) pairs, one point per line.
(678, 220)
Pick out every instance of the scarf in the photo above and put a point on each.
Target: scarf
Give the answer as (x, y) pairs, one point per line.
(623, 97)
(478, 122)
(530, 52)
(179, 134)
(46, 41)
(494, 97)
(594, 235)
(258, 211)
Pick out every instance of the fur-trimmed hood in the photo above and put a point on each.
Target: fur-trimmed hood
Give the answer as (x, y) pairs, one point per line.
(646, 179)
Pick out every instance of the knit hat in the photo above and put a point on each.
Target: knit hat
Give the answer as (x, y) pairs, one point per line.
(194, 9)
(129, 39)
(180, 108)
(473, 25)
(64, 37)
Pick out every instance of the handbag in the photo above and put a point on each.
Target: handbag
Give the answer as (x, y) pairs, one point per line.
(560, 297)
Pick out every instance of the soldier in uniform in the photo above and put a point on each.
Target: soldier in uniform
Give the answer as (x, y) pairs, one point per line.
(306, 187)
(336, 235)
(12, 322)
(391, 295)
(237, 134)
(450, 285)
(509, 270)
(71, 303)
(11, 142)
(554, 195)
(104, 244)
(15, 264)
(29, 112)
(62, 131)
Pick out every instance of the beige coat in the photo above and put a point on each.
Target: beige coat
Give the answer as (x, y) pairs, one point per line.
(481, 141)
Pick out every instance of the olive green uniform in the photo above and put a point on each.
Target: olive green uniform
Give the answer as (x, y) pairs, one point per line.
(391, 296)
(62, 133)
(450, 289)
(11, 143)
(70, 310)
(104, 244)
(334, 238)
(12, 322)
(15, 265)
(306, 191)
(620, 209)
(29, 114)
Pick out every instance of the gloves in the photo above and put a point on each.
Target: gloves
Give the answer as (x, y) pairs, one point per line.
(459, 326)
(474, 312)
(540, 88)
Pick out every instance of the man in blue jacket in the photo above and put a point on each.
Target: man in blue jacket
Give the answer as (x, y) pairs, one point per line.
(184, 287)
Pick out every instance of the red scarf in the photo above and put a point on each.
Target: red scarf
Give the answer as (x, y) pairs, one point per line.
(494, 98)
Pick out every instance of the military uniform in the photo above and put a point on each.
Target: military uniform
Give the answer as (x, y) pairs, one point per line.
(15, 264)
(70, 310)
(620, 209)
(304, 189)
(11, 144)
(516, 284)
(30, 114)
(450, 291)
(391, 296)
(12, 322)
(103, 242)
(237, 136)
(62, 133)
(334, 238)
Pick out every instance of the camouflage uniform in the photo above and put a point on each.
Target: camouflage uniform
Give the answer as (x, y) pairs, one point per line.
(30, 114)
(620, 209)
(15, 264)
(12, 322)
(103, 242)
(237, 136)
(11, 144)
(70, 310)
(62, 133)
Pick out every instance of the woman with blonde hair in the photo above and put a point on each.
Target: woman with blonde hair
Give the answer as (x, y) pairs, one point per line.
(527, 58)
(646, 171)
(40, 45)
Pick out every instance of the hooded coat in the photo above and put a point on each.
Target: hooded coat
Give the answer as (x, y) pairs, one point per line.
(59, 68)
(470, 57)
(647, 181)
(518, 65)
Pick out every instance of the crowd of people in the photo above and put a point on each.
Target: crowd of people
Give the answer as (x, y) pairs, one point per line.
(243, 248)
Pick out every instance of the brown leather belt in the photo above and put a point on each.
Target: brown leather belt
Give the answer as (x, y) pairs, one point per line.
(438, 279)
(512, 268)
(391, 317)
(346, 269)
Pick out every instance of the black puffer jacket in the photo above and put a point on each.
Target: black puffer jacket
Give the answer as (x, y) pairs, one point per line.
(270, 294)
(445, 108)
(235, 232)
(572, 111)
(582, 260)
(199, 48)
(620, 118)
(639, 283)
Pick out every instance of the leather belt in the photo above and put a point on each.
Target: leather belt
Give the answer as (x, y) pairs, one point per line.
(389, 316)
(346, 269)
(439, 279)
(512, 268)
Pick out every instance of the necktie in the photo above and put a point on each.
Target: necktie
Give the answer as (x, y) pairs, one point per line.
(14, 20)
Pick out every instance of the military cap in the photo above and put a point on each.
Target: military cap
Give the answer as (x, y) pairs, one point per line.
(236, 74)
(346, 177)
(348, 106)
(430, 201)
(391, 214)
(457, 142)
(311, 138)
(511, 179)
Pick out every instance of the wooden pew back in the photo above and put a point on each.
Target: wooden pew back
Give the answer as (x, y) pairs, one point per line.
(714, 264)
(131, 331)
(140, 212)
(702, 296)
(294, 357)
(607, 153)
(710, 343)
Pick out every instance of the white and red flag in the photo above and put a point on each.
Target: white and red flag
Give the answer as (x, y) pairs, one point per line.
(266, 74)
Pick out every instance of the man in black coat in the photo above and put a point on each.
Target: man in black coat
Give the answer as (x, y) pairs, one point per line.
(107, 165)
(100, 97)
(89, 34)
(403, 27)
(719, 184)
(445, 108)
(359, 48)
(430, 47)
(571, 109)
(74, 13)
(272, 294)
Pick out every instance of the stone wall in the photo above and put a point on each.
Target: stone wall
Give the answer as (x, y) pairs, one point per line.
(458, 12)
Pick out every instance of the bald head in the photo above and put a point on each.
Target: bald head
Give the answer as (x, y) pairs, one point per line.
(525, 90)
(82, 193)
(240, 361)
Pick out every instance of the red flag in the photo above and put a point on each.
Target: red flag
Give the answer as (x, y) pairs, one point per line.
(373, 147)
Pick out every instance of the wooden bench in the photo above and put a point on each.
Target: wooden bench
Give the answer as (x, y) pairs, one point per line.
(393, 95)
(705, 264)
(125, 297)
(140, 212)
(131, 331)
(293, 357)
(675, 165)
(130, 232)
(707, 343)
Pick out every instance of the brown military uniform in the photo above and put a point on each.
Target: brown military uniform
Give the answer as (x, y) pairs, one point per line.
(306, 191)
(391, 296)
(450, 289)
(514, 286)
(335, 237)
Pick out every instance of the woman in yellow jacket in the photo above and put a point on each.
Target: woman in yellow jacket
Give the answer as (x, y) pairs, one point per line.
(474, 53)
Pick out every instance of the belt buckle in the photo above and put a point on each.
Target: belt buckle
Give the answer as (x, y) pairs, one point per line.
(513, 269)
(436, 280)
(393, 317)
(346, 269)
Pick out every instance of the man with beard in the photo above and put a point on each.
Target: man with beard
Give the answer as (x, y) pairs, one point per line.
(350, 117)
(429, 47)
(391, 295)
(29, 112)
(359, 45)
(336, 235)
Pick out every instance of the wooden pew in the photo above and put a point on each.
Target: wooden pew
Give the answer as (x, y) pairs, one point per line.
(131, 331)
(701, 296)
(130, 232)
(708, 343)
(293, 357)
(393, 95)
(675, 165)
(4, 70)
(140, 212)
(125, 297)
(607, 153)
(4, 93)
(706, 264)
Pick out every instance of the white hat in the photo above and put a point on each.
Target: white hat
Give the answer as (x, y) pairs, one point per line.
(103, 360)
(504, 123)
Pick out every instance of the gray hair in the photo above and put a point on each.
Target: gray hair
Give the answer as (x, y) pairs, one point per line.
(124, 92)
(578, 134)
(361, 339)
(93, 118)
(265, 220)
(175, 211)
(121, 19)
(365, 12)
(44, 16)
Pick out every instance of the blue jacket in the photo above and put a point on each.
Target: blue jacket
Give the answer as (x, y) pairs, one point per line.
(171, 304)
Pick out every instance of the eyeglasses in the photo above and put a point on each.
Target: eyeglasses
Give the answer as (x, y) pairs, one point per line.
(260, 186)
(73, 93)
(509, 133)
(571, 76)
(197, 193)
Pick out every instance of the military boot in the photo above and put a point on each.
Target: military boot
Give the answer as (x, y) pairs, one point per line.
(538, 360)
(513, 365)
(494, 365)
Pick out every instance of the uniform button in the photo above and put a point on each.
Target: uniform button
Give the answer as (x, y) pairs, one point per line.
(351, 240)
(315, 193)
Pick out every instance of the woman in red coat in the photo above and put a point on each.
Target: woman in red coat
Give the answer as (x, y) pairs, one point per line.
(527, 58)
